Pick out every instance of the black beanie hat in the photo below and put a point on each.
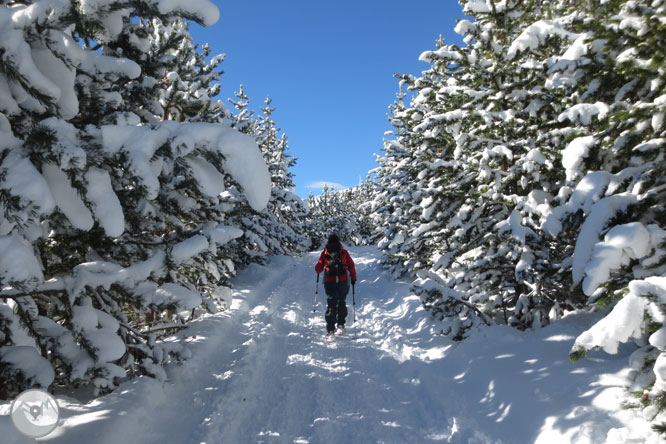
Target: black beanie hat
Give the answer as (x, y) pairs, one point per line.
(333, 239)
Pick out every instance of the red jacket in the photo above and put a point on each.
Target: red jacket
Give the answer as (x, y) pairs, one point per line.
(347, 262)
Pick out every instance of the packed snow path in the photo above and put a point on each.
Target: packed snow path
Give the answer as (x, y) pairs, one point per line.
(262, 373)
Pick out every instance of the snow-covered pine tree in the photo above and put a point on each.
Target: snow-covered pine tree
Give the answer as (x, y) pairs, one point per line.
(287, 209)
(243, 118)
(546, 184)
(615, 164)
(483, 168)
(177, 84)
(86, 191)
(381, 207)
(278, 228)
(177, 81)
(396, 179)
(344, 212)
(363, 196)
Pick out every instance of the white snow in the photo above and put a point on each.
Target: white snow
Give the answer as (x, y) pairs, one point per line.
(100, 334)
(95, 63)
(464, 27)
(535, 34)
(627, 316)
(183, 251)
(104, 274)
(441, 53)
(221, 234)
(19, 266)
(622, 323)
(27, 359)
(61, 76)
(597, 219)
(476, 6)
(262, 372)
(24, 181)
(574, 155)
(177, 294)
(621, 244)
(652, 144)
(242, 158)
(582, 113)
(209, 180)
(514, 224)
(204, 11)
(589, 190)
(106, 205)
(67, 198)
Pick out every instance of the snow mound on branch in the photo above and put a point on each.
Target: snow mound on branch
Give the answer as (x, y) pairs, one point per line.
(204, 11)
(95, 63)
(185, 250)
(626, 319)
(514, 225)
(574, 154)
(583, 113)
(183, 298)
(589, 190)
(23, 180)
(476, 6)
(67, 198)
(623, 323)
(172, 294)
(600, 214)
(104, 274)
(62, 77)
(535, 34)
(242, 158)
(19, 266)
(621, 244)
(106, 205)
(36, 369)
(99, 329)
(209, 180)
(221, 234)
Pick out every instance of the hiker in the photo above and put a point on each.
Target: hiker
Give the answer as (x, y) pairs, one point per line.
(339, 269)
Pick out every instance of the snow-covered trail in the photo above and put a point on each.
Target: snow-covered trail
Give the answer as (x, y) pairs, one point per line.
(278, 381)
(261, 372)
(292, 386)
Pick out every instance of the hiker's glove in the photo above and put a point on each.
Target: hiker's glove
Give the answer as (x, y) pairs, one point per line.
(353, 281)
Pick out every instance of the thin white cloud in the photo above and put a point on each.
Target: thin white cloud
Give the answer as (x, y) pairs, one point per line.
(320, 185)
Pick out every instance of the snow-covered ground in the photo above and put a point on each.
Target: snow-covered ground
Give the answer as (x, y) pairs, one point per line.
(261, 372)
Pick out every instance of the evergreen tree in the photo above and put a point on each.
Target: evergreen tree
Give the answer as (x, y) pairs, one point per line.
(472, 184)
(343, 212)
(615, 164)
(479, 168)
(278, 228)
(243, 119)
(285, 206)
(533, 163)
(108, 207)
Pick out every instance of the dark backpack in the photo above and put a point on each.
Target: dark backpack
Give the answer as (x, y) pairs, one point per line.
(335, 266)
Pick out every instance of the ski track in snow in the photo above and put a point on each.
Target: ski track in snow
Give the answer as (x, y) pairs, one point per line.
(262, 373)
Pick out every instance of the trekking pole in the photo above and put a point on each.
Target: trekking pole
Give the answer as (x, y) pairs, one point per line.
(354, 309)
(314, 307)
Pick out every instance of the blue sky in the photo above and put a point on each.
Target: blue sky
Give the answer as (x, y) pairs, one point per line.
(328, 67)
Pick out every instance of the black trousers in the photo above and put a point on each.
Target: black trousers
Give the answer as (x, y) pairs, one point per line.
(336, 311)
